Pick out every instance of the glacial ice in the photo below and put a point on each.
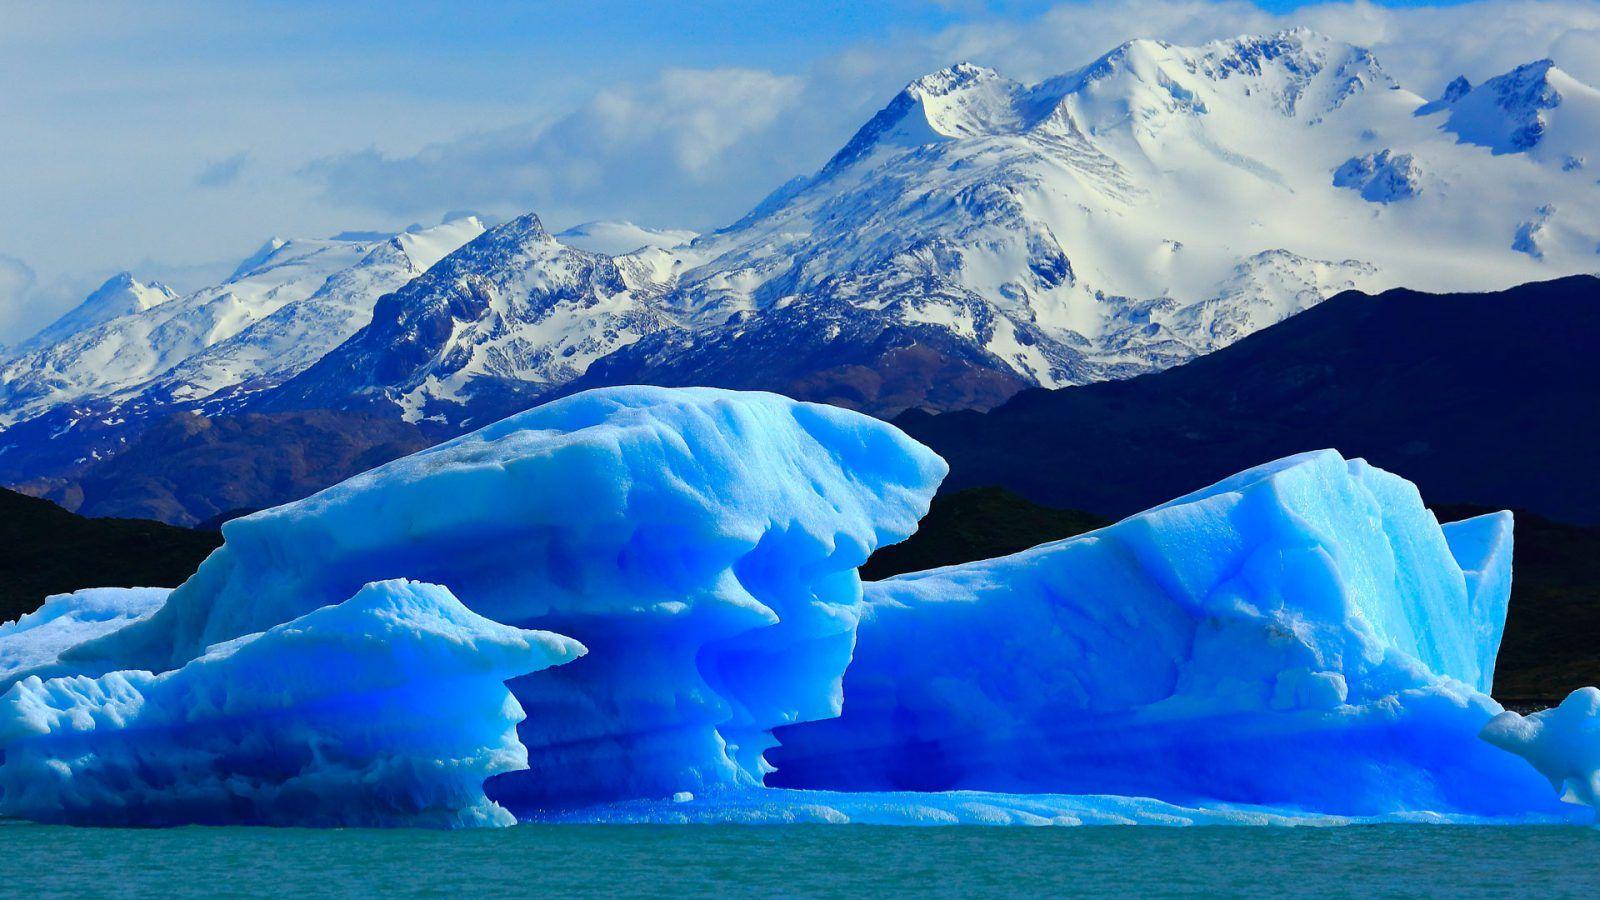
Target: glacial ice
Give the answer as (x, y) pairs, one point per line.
(702, 543)
(1301, 642)
(387, 709)
(1563, 743)
(34, 643)
(1302, 635)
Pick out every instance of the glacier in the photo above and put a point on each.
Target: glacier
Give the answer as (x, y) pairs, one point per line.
(642, 604)
(387, 709)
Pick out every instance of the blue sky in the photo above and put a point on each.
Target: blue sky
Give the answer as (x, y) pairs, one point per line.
(172, 137)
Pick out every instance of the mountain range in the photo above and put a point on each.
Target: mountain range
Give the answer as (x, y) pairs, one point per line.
(976, 238)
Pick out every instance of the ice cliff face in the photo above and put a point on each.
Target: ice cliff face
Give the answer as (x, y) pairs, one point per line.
(34, 643)
(1563, 743)
(1302, 634)
(1303, 638)
(707, 538)
(388, 708)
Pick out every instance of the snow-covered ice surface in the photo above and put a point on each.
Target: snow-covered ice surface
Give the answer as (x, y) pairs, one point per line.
(703, 544)
(1301, 634)
(387, 709)
(620, 238)
(34, 643)
(1298, 643)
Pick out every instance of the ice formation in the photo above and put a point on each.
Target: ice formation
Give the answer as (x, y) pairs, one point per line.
(1563, 743)
(1303, 634)
(703, 544)
(35, 642)
(1301, 642)
(389, 708)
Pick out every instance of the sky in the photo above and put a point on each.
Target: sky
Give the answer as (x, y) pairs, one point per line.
(170, 138)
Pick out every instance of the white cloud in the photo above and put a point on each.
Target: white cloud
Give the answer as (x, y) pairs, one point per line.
(698, 147)
(28, 303)
(635, 151)
(223, 172)
(16, 283)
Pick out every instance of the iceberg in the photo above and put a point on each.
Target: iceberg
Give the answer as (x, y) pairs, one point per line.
(703, 544)
(1303, 635)
(1563, 743)
(387, 709)
(642, 604)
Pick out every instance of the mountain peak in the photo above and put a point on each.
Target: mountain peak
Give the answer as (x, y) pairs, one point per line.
(962, 100)
(524, 227)
(1456, 89)
(138, 295)
(1511, 113)
(118, 296)
(951, 79)
(263, 253)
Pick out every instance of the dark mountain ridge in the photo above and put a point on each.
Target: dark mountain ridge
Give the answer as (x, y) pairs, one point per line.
(1487, 399)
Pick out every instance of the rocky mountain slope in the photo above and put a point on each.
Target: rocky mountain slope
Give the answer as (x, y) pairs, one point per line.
(48, 550)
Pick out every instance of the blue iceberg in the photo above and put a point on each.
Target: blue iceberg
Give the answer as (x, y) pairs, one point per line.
(703, 544)
(1303, 635)
(387, 709)
(1302, 642)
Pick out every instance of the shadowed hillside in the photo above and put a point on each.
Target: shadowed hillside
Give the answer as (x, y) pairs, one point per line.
(48, 550)
(1486, 399)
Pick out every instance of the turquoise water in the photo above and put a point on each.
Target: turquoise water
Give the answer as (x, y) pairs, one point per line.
(805, 860)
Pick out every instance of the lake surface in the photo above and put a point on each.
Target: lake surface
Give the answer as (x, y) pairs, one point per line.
(805, 860)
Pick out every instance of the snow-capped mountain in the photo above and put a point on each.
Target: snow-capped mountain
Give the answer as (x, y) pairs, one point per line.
(290, 339)
(1535, 109)
(979, 235)
(120, 295)
(283, 309)
(510, 316)
(975, 237)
